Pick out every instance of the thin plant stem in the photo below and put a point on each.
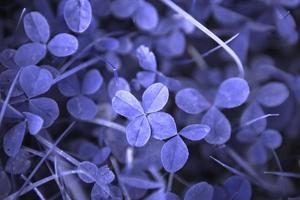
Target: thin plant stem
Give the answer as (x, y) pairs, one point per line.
(7, 98)
(209, 33)
(41, 182)
(108, 124)
(76, 69)
(117, 172)
(231, 169)
(285, 174)
(57, 150)
(50, 150)
(170, 182)
(36, 190)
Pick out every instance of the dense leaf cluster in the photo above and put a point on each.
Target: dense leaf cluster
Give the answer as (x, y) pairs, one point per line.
(131, 99)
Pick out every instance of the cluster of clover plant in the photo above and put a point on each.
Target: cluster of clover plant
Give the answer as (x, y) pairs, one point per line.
(130, 99)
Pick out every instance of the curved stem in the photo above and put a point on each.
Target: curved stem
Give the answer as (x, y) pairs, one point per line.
(10, 91)
(58, 150)
(88, 47)
(41, 182)
(285, 174)
(259, 118)
(205, 30)
(37, 191)
(109, 124)
(45, 156)
(170, 182)
(76, 69)
(117, 172)
(229, 168)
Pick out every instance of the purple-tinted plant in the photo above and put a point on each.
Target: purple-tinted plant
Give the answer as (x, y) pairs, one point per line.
(130, 99)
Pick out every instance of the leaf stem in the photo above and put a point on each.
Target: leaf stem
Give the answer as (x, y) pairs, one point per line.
(57, 150)
(38, 193)
(109, 124)
(50, 150)
(209, 33)
(117, 172)
(41, 182)
(76, 69)
(231, 169)
(285, 174)
(170, 182)
(10, 91)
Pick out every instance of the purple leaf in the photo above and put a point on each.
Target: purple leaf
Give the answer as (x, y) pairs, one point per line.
(253, 111)
(226, 16)
(285, 25)
(88, 171)
(146, 78)
(174, 154)
(191, 101)
(91, 82)
(155, 97)
(272, 94)
(7, 58)
(101, 155)
(238, 188)
(34, 122)
(104, 175)
(46, 108)
(100, 192)
(138, 131)
(123, 8)
(101, 7)
(63, 45)
(78, 15)
(232, 92)
(5, 184)
(146, 58)
(220, 131)
(84, 149)
(36, 27)
(171, 196)
(7, 77)
(13, 139)
(115, 85)
(172, 45)
(35, 80)
(162, 125)
(70, 86)
(125, 104)
(30, 54)
(146, 16)
(19, 164)
(290, 3)
(257, 153)
(158, 194)
(140, 182)
(108, 44)
(195, 132)
(200, 191)
(247, 135)
(81, 107)
(271, 138)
